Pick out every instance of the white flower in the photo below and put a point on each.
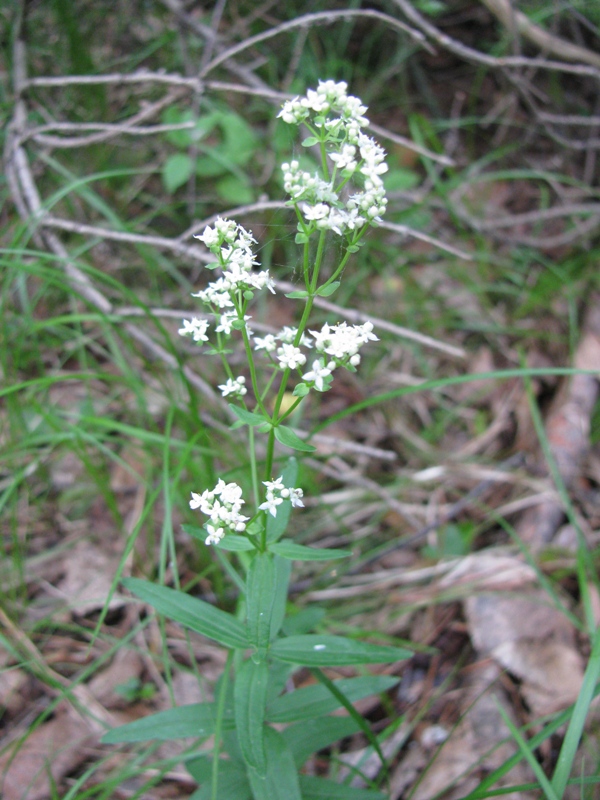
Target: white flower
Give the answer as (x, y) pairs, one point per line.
(320, 211)
(267, 343)
(271, 504)
(345, 158)
(290, 357)
(210, 237)
(275, 486)
(214, 534)
(225, 322)
(295, 496)
(234, 387)
(196, 328)
(318, 372)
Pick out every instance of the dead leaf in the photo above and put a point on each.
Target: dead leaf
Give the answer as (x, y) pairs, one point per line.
(532, 640)
(89, 572)
(56, 747)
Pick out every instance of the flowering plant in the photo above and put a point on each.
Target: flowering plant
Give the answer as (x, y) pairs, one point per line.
(343, 198)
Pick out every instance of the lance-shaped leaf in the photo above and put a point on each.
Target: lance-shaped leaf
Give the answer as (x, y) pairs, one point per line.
(191, 612)
(314, 788)
(287, 437)
(281, 779)
(299, 552)
(192, 721)
(250, 697)
(260, 600)
(313, 650)
(312, 701)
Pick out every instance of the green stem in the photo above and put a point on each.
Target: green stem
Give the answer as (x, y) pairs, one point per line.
(219, 725)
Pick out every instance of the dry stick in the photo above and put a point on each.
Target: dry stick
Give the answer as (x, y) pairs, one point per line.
(29, 201)
(457, 508)
(358, 316)
(326, 17)
(469, 54)
(546, 41)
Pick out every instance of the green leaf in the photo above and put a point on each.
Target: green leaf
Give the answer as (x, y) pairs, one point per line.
(300, 390)
(247, 417)
(283, 570)
(303, 621)
(398, 180)
(233, 189)
(301, 238)
(309, 736)
(327, 291)
(235, 543)
(311, 701)
(232, 782)
(276, 526)
(192, 721)
(281, 779)
(191, 612)
(297, 295)
(353, 248)
(250, 697)
(287, 437)
(298, 552)
(313, 788)
(313, 650)
(260, 597)
(176, 171)
(310, 141)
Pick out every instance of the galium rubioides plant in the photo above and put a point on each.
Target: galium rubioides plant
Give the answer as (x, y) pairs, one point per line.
(261, 732)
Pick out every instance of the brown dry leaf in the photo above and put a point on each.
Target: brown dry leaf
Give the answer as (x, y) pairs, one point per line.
(474, 746)
(57, 746)
(568, 431)
(89, 572)
(532, 640)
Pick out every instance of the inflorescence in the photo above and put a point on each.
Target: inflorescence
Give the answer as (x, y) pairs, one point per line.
(345, 197)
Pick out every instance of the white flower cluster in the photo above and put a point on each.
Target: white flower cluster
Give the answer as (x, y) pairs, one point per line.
(339, 118)
(233, 247)
(341, 342)
(222, 505)
(277, 493)
(234, 387)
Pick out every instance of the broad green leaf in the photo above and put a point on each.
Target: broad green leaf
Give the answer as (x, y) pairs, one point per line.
(312, 701)
(247, 417)
(301, 238)
(276, 526)
(232, 782)
(287, 437)
(311, 735)
(193, 721)
(283, 570)
(313, 788)
(281, 779)
(298, 552)
(235, 543)
(260, 597)
(310, 141)
(313, 650)
(297, 295)
(327, 291)
(176, 171)
(191, 612)
(250, 697)
(233, 189)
